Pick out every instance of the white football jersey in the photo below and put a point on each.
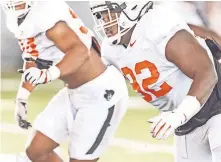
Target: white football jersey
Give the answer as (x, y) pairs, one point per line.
(43, 15)
(144, 63)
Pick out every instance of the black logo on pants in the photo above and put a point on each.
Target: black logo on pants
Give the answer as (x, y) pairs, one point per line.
(109, 94)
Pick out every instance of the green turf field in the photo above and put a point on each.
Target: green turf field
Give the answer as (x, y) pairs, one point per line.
(132, 142)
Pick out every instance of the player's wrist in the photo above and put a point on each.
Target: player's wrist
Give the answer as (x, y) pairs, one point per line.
(189, 107)
(54, 72)
(23, 94)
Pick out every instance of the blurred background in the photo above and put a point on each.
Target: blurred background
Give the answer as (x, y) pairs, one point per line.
(132, 141)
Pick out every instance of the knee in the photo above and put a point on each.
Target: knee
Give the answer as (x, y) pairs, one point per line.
(34, 155)
(31, 154)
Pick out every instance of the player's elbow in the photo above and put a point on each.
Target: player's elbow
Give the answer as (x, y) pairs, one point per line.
(212, 76)
(215, 78)
(85, 52)
(82, 51)
(206, 74)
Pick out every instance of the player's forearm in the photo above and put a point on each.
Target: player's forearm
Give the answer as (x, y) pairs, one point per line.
(200, 90)
(28, 86)
(73, 60)
(24, 91)
(203, 84)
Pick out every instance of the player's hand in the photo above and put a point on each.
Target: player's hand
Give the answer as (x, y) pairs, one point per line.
(21, 113)
(164, 125)
(36, 76)
(158, 117)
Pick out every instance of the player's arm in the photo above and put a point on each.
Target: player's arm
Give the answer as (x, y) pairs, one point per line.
(76, 52)
(192, 59)
(183, 50)
(204, 32)
(21, 101)
(26, 85)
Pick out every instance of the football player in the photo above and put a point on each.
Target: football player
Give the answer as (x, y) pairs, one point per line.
(171, 68)
(57, 45)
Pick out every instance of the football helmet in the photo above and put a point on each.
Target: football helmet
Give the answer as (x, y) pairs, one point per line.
(13, 12)
(127, 14)
(9, 7)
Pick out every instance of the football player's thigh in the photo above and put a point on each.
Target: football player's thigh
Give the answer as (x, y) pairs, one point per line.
(214, 135)
(51, 125)
(193, 147)
(92, 130)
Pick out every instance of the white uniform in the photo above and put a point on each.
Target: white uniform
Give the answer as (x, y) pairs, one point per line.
(89, 114)
(144, 64)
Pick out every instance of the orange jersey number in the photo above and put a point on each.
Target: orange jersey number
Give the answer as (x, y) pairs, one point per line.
(28, 46)
(164, 88)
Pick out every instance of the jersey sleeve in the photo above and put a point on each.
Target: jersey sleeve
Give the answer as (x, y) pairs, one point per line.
(161, 25)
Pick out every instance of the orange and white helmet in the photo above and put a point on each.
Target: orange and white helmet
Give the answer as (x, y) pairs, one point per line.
(10, 7)
(127, 15)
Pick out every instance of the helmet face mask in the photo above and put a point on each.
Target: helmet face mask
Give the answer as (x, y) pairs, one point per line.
(107, 23)
(115, 19)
